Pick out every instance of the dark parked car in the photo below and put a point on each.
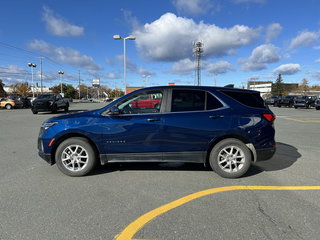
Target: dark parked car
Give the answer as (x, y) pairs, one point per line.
(272, 100)
(26, 103)
(286, 101)
(223, 127)
(49, 102)
(317, 104)
(305, 101)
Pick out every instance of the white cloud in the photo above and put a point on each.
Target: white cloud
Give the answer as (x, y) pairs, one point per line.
(273, 30)
(65, 55)
(219, 68)
(112, 76)
(58, 26)
(317, 60)
(130, 66)
(195, 7)
(183, 67)
(304, 39)
(250, 1)
(287, 69)
(260, 56)
(170, 38)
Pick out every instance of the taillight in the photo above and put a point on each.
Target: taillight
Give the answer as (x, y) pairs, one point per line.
(269, 117)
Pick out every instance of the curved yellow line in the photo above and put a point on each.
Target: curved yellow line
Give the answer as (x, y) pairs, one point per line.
(136, 225)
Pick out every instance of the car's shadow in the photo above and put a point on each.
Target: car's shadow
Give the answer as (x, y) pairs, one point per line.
(285, 156)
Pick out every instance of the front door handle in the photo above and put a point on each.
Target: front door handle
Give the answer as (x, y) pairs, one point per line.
(216, 116)
(153, 119)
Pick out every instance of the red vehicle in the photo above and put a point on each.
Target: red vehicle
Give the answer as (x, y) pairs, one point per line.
(147, 101)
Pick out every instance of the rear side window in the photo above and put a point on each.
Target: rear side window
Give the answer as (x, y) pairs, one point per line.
(249, 99)
(187, 100)
(193, 100)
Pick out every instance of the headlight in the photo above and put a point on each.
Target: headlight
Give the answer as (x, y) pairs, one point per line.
(47, 125)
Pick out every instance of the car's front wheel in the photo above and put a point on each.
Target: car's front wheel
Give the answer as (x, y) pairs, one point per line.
(8, 106)
(75, 157)
(230, 158)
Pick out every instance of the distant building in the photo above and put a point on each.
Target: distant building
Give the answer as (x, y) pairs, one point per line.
(264, 87)
(131, 89)
(37, 90)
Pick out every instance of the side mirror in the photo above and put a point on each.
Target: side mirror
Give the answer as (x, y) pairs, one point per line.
(114, 111)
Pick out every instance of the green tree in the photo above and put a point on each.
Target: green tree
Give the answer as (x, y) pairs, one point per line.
(23, 89)
(304, 86)
(2, 91)
(278, 87)
(68, 90)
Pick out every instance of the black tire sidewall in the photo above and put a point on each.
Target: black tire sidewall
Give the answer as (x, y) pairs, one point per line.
(84, 143)
(213, 159)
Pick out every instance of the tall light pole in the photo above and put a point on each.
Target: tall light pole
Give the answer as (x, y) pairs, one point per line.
(60, 73)
(130, 37)
(32, 65)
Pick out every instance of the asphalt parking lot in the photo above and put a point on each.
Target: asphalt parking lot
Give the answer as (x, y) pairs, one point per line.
(39, 202)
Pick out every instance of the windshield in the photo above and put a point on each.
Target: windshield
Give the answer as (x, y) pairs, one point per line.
(46, 96)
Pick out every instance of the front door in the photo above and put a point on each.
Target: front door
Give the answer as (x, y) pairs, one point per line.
(134, 133)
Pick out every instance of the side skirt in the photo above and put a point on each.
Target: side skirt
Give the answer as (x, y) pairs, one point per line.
(194, 157)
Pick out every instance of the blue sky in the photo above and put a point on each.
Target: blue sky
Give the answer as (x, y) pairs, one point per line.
(243, 40)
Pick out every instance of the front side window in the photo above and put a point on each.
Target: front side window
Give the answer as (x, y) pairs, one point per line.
(141, 103)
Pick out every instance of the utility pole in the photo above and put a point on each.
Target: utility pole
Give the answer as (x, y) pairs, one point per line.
(198, 50)
(41, 74)
(79, 85)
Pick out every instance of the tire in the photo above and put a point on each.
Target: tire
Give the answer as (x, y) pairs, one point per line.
(34, 111)
(230, 158)
(295, 107)
(54, 109)
(75, 157)
(8, 106)
(66, 108)
(317, 108)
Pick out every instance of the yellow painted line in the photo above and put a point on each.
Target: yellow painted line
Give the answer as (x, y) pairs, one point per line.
(136, 225)
(304, 121)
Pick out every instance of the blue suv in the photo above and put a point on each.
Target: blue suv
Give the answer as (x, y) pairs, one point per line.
(226, 128)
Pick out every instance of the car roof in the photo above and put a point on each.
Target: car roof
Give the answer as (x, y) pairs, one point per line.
(205, 88)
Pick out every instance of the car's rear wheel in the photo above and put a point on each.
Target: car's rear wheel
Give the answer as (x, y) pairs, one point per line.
(8, 106)
(66, 108)
(34, 111)
(75, 157)
(230, 158)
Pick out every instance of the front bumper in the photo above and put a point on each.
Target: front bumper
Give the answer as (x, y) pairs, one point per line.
(46, 157)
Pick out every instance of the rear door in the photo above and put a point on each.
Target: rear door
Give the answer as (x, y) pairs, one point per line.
(195, 118)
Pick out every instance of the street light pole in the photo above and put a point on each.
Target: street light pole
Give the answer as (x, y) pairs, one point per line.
(60, 73)
(130, 37)
(32, 65)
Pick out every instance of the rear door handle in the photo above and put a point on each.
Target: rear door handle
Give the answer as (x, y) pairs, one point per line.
(216, 116)
(153, 119)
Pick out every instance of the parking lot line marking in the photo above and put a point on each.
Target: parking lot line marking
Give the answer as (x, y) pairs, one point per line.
(136, 225)
(303, 121)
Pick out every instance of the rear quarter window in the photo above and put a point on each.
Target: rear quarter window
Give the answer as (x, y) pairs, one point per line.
(250, 99)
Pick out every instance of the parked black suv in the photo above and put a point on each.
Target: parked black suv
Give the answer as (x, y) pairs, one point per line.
(305, 101)
(272, 101)
(287, 101)
(49, 102)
